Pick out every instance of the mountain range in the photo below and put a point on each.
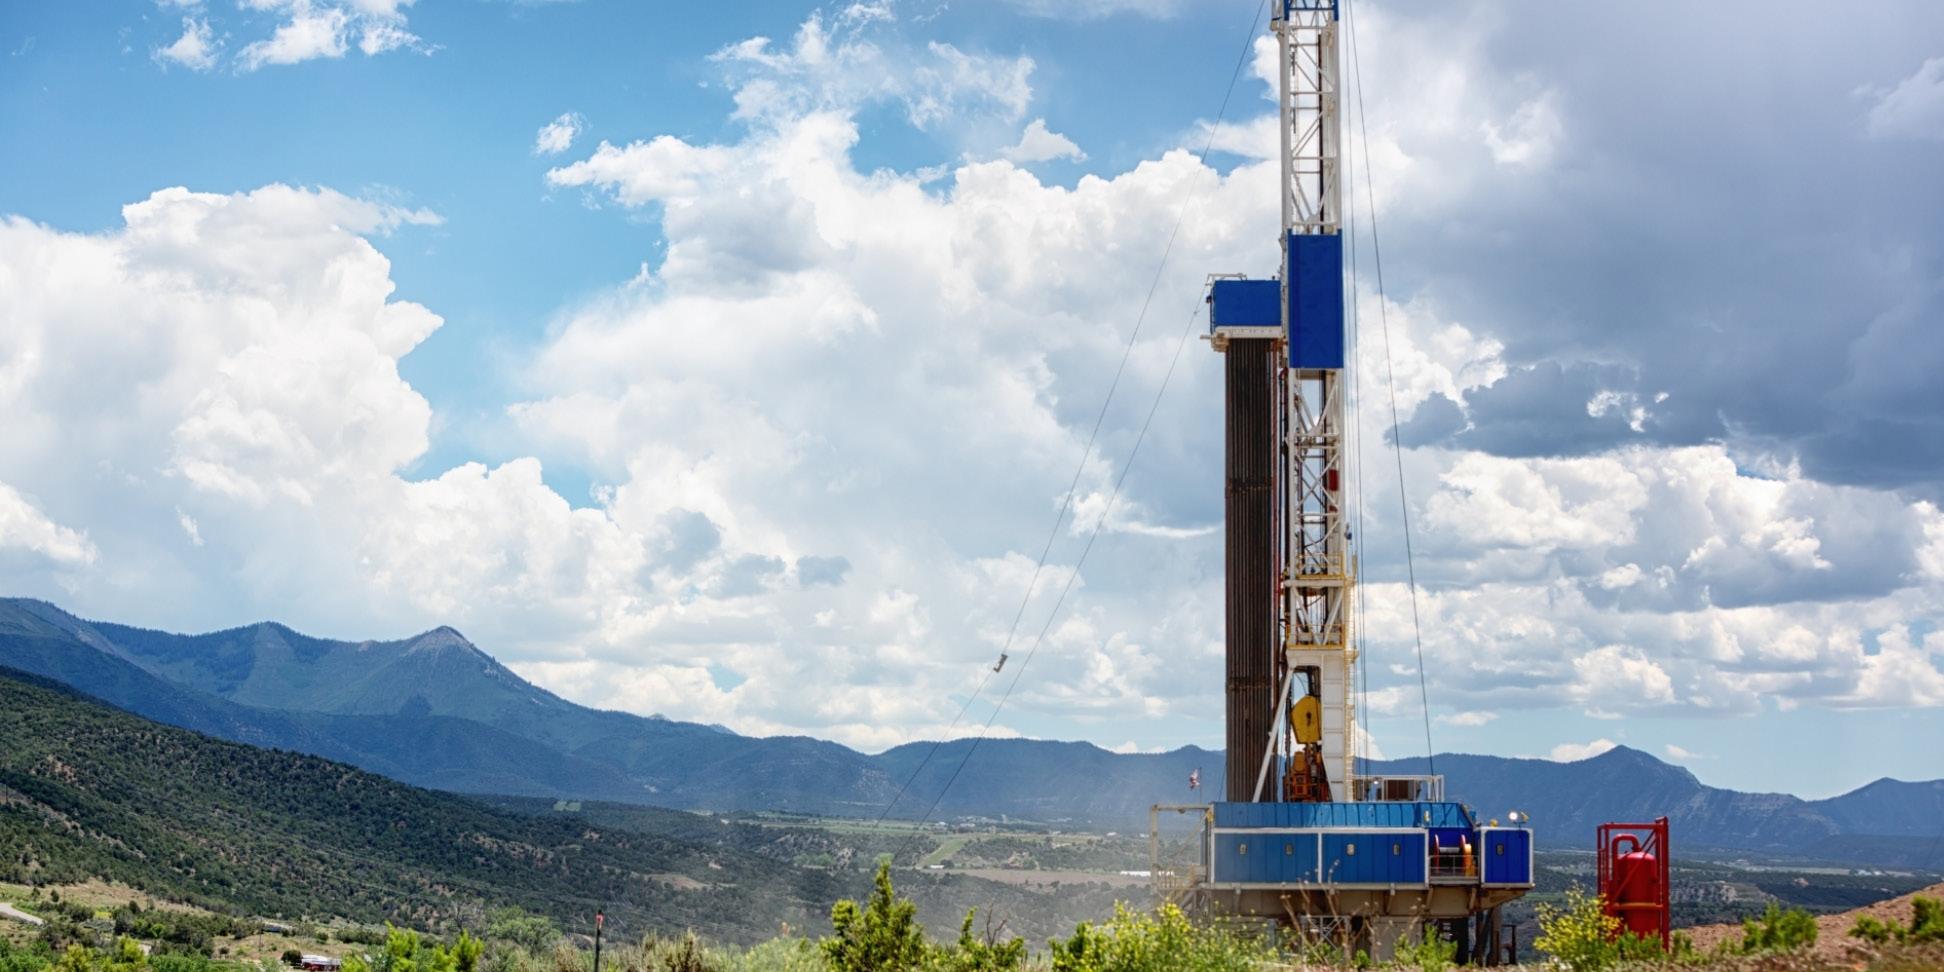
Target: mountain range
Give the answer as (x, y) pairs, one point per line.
(436, 711)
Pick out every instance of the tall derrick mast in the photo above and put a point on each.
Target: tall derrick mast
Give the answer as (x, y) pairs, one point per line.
(1317, 569)
(1290, 652)
(1302, 836)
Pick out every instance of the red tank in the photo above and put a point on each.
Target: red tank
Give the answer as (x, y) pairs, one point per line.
(1637, 892)
(1633, 870)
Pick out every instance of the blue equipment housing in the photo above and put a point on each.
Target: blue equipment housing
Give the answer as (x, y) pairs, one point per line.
(1373, 845)
(1244, 303)
(1313, 272)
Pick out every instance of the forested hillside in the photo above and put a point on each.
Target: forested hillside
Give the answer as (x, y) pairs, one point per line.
(88, 791)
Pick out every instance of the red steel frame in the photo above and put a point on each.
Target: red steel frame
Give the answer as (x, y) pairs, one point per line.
(1625, 838)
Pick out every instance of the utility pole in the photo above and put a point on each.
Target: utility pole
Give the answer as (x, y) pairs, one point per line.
(599, 920)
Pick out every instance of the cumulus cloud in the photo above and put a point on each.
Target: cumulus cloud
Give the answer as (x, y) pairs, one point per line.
(1617, 677)
(311, 29)
(1574, 752)
(196, 49)
(849, 63)
(24, 528)
(1473, 120)
(558, 136)
(1098, 9)
(1040, 144)
(1914, 108)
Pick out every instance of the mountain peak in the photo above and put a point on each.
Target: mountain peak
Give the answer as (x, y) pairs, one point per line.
(443, 636)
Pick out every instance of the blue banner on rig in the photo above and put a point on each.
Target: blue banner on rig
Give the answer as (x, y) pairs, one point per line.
(1315, 275)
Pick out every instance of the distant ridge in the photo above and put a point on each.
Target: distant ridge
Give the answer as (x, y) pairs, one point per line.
(435, 710)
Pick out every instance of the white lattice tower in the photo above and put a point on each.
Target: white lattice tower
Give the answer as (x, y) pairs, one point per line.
(1318, 570)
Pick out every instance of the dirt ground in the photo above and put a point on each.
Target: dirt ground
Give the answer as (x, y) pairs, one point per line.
(1832, 931)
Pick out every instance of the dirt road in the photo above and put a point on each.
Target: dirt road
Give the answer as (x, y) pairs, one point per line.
(9, 911)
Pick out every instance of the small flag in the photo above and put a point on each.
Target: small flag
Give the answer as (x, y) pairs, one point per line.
(1194, 779)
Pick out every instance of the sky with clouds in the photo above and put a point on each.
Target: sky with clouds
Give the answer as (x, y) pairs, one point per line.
(734, 365)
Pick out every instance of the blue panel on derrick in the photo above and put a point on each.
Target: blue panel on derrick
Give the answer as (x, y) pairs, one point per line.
(1315, 275)
(1342, 815)
(1507, 857)
(1374, 857)
(1245, 303)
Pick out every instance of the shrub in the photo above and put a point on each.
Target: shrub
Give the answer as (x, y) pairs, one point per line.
(1926, 925)
(1777, 930)
(684, 954)
(775, 955)
(175, 962)
(1164, 941)
(971, 954)
(401, 951)
(1431, 953)
(883, 936)
(534, 933)
(1580, 934)
(292, 957)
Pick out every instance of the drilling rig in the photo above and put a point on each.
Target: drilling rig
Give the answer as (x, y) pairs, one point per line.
(1303, 836)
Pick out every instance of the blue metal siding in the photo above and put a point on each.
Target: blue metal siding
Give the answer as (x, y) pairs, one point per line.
(1245, 303)
(1240, 859)
(1374, 858)
(1271, 858)
(1507, 857)
(1345, 815)
(1315, 275)
(1295, 857)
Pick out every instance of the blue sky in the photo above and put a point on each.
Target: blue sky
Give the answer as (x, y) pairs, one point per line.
(751, 402)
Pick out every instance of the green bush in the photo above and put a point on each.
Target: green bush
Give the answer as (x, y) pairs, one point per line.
(1926, 925)
(971, 954)
(534, 933)
(684, 954)
(775, 955)
(882, 936)
(176, 962)
(16, 959)
(1431, 953)
(1778, 930)
(1164, 941)
(1579, 936)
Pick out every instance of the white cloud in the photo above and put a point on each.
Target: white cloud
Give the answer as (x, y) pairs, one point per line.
(1914, 108)
(1040, 144)
(1470, 719)
(1528, 138)
(1098, 9)
(190, 528)
(196, 49)
(308, 33)
(1682, 755)
(851, 64)
(23, 527)
(558, 136)
(1616, 678)
(312, 29)
(1574, 752)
